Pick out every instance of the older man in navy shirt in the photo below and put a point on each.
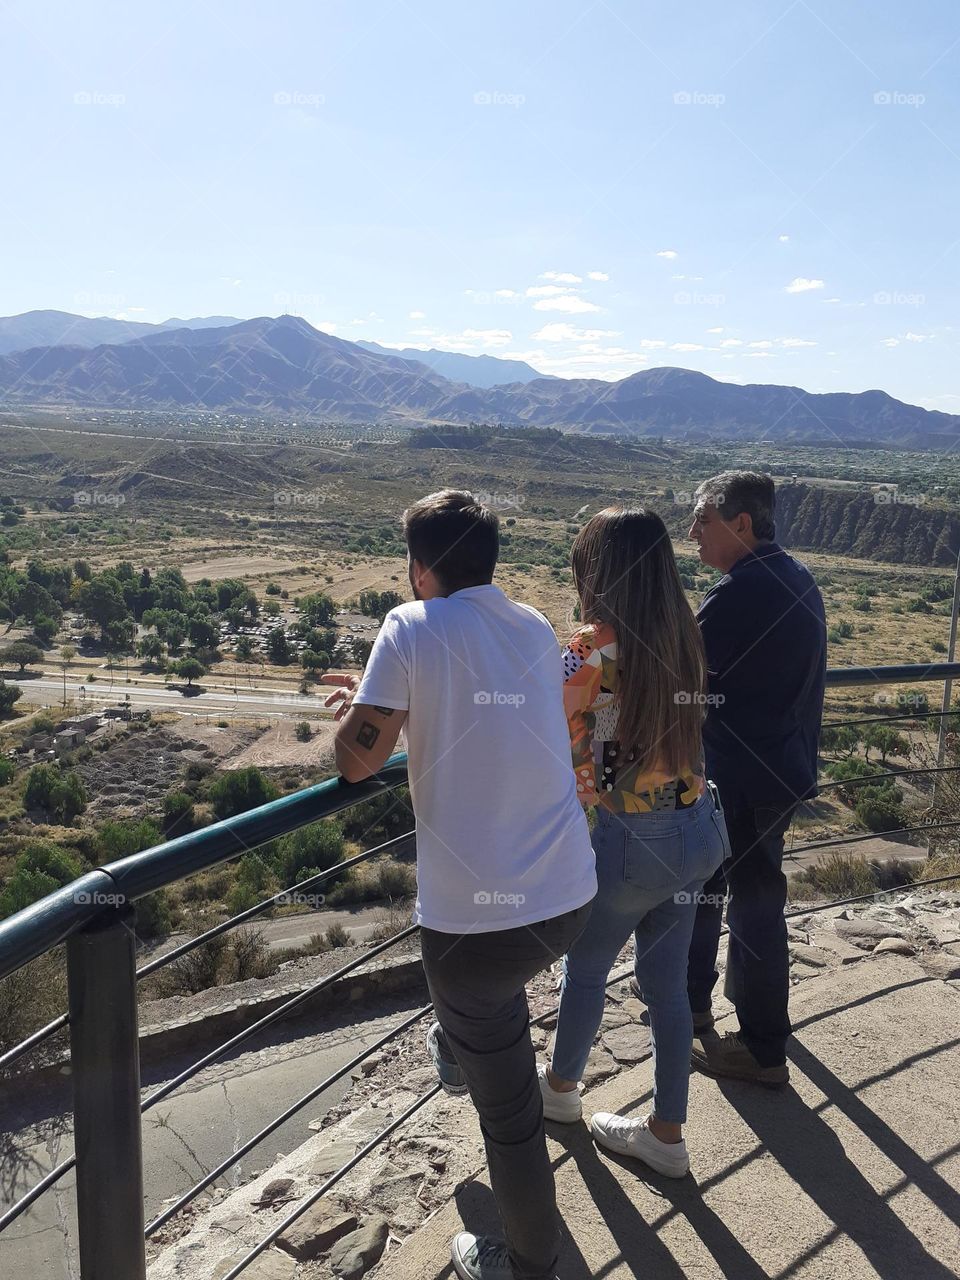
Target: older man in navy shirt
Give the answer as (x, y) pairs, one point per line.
(765, 636)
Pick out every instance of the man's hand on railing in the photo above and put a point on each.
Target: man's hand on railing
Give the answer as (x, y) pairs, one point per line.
(342, 699)
(367, 734)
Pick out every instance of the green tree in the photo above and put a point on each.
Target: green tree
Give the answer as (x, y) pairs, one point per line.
(40, 869)
(61, 795)
(179, 815)
(314, 661)
(887, 741)
(880, 808)
(150, 649)
(361, 651)
(9, 694)
(45, 629)
(238, 790)
(21, 653)
(317, 609)
(278, 647)
(7, 771)
(101, 600)
(377, 604)
(202, 633)
(842, 740)
(120, 838)
(190, 668)
(318, 846)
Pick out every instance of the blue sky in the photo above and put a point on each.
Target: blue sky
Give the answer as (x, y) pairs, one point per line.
(766, 191)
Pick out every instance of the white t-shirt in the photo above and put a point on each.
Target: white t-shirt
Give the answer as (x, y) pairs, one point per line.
(502, 840)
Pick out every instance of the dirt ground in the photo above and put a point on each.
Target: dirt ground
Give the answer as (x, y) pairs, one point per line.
(278, 745)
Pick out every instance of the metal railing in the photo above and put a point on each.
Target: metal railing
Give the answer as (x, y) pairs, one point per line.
(94, 916)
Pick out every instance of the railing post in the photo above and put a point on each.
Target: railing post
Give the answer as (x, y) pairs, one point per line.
(105, 1064)
(947, 690)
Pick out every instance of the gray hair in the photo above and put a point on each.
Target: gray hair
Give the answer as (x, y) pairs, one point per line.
(735, 493)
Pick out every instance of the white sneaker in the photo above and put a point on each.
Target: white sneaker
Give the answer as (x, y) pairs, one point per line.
(563, 1107)
(480, 1258)
(633, 1138)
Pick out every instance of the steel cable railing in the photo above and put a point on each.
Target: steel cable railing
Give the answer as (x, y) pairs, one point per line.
(68, 915)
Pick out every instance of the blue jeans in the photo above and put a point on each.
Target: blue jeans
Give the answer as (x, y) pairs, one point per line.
(650, 868)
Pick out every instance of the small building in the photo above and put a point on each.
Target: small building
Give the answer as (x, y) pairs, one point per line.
(122, 712)
(86, 724)
(67, 739)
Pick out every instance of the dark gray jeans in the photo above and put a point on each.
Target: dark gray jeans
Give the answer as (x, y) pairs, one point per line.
(477, 984)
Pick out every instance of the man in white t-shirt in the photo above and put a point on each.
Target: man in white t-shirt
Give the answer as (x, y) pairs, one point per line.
(505, 869)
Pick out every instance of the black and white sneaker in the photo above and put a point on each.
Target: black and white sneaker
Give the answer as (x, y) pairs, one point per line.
(480, 1258)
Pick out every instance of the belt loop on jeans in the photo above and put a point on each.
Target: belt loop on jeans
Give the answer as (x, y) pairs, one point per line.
(715, 793)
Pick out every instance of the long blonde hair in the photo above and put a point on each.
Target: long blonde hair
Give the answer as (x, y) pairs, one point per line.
(626, 576)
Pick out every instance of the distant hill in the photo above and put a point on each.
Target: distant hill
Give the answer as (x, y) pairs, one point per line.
(284, 365)
(62, 328)
(476, 371)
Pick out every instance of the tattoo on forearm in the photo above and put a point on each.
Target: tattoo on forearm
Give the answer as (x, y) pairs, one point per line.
(367, 735)
(384, 711)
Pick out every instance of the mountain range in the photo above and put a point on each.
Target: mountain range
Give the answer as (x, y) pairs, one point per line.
(63, 328)
(476, 371)
(283, 365)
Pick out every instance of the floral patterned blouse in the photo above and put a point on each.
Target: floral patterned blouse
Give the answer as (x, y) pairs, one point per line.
(604, 776)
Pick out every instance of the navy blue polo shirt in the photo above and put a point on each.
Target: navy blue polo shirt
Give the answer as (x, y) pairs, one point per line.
(765, 634)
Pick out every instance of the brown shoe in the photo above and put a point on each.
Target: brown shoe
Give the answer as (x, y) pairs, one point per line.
(702, 1022)
(727, 1056)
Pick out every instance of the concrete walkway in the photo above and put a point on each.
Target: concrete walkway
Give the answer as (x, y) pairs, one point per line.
(854, 1171)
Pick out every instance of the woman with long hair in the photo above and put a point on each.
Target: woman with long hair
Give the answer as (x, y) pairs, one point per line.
(635, 693)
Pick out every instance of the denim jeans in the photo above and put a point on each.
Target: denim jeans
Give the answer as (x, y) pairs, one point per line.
(477, 986)
(650, 869)
(758, 962)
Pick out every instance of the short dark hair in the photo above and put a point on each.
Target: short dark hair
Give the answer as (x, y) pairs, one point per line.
(456, 536)
(734, 493)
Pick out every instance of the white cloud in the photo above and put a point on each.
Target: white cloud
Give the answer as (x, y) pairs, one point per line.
(918, 337)
(731, 342)
(418, 315)
(603, 364)
(546, 290)
(796, 342)
(561, 277)
(783, 239)
(719, 329)
(601, 276)
(326, 326)
(652, 344)
(569, 303)
(470, 338)
(763, 345)
(506, 293)
(558, 331)
(760, 355)
(802, 285)
(833, 299)
(489, 337)
(891, 342)
(686, 346)
(667, 253)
